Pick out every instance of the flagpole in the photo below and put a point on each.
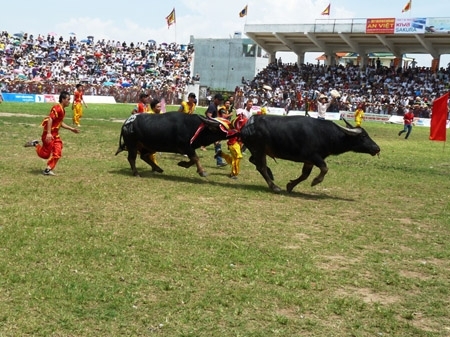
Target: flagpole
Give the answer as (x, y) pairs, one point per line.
(329, 16)
(175, 25)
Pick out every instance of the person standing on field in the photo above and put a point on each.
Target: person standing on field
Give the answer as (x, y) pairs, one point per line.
(52, 144)
(142, 106)
(155, 106)
(77, 104)
(359, 115)
(212, 112)
(234, 146)
(408, 119)
(189, 106)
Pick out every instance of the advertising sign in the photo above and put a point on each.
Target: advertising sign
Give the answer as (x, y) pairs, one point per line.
(380, 26)
(410, 26)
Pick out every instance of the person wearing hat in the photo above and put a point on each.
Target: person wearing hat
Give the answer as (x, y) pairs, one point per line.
(189, 106)
(142, 106)
(322, 106)
(212, 112)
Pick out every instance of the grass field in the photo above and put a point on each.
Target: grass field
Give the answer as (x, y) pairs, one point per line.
(97, 252)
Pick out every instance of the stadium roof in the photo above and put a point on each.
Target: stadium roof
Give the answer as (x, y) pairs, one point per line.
(346, 35)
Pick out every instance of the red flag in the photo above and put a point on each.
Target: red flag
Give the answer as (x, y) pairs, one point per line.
(326, 11)
(171, 18)
(407, 7)
(438, 127)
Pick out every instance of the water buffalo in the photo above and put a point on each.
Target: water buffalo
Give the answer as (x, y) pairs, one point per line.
(173, 132)
(301, 139)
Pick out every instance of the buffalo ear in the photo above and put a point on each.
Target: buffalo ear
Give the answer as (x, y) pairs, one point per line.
(352, 131)
(347, 123)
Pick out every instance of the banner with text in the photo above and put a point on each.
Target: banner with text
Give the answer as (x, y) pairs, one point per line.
(419, 25)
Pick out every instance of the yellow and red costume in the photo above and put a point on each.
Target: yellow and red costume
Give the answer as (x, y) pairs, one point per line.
(52, 149)
(141, 108)
(77, 106)
(234, 145)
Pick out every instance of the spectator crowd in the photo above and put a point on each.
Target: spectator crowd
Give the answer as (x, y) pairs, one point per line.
(380, 89)
(49, 64)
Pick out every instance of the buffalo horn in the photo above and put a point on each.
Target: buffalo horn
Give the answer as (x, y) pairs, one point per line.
(347, 123)
(351, 132)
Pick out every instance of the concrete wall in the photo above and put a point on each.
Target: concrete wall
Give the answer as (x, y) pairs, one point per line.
(221, 63)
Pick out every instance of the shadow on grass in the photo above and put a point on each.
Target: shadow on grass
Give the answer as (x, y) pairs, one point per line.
(146, 174)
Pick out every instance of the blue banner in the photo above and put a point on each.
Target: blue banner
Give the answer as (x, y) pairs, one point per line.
(22, 98)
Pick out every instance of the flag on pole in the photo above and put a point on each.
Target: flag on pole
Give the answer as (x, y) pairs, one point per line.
(171, 18)
(326, 11)
(438, 127)
(243, 12)
(407, 6)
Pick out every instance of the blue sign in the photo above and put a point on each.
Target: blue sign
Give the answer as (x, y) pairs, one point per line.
(20, 98)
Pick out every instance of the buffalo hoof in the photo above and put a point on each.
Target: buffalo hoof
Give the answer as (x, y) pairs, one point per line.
(316, 181)
(203, 174)
(136, 175)
(157, 169)
(184, 164)
(276, 189)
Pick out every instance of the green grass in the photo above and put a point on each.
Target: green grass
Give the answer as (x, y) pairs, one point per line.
(95, 251)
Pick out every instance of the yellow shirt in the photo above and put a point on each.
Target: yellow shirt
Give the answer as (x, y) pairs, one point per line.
(186, 108)
(359, 115)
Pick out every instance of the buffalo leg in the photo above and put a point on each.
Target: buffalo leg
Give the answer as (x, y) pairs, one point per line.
(260, 162)
(194, 160)
(132, 154)
(147, 158)
(306, 171)
(319, 178)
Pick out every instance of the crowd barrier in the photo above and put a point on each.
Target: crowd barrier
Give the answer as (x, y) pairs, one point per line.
(32, 98)
(426, 122)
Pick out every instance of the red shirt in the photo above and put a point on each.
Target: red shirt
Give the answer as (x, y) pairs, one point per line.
(77, 96)
(141, 107)
(57, 114)
(408, 118)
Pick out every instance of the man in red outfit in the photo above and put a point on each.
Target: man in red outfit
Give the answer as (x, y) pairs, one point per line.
(408, 119)
(52, 144)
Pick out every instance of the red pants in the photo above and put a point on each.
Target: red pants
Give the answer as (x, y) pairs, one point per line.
(52, 150)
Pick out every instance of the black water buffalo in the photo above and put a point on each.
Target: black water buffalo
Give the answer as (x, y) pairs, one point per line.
(173, 132)
(301, 139)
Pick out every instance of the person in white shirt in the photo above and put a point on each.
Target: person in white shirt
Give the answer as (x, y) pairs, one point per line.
(247, 111)
(322, 106)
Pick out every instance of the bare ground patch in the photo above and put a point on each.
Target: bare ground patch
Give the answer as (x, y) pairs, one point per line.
(368, 295)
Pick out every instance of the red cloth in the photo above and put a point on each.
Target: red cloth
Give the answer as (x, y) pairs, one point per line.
(439, 115)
